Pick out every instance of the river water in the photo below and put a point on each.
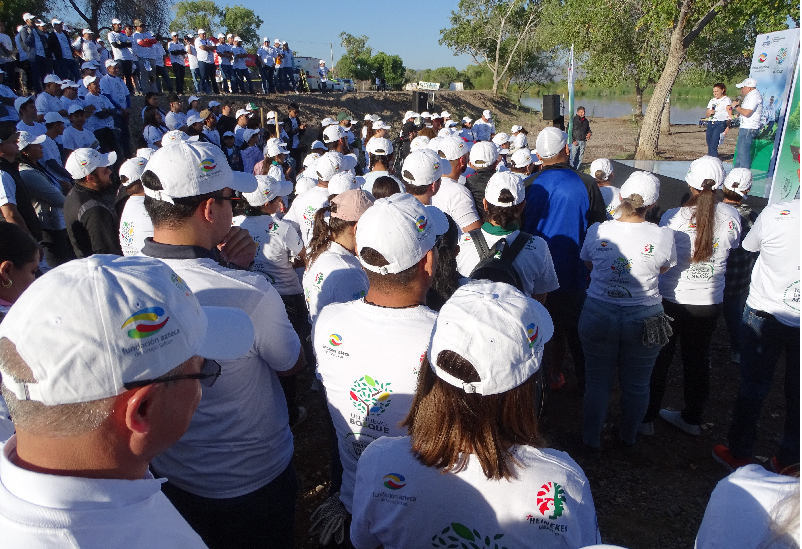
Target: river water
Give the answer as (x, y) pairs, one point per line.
(688, 112)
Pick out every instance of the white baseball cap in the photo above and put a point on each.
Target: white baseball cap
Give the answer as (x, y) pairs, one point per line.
(433, 143)
(748, 83)
(501, 138)
(333, 133)
(248, 134)
(147, 152)
(193, 168)
(341, 182)
(381, 125)
(52, 79)
(601, 165)
(486, 114)
(550, 142)
(328, 122)
(419, 143)
(89, 65)
(26, 138)
(423, 167)
(28, 16)
(82, 162)
(645, 184)
(379, 145)
(20, 101)
(267, 189)
(368, 117)
(229, 134)
(172, 137)
(111, 63)
(445, 114)
(327, 166)
(739, 180)
(521, 158)
(504, 180)
(317, 145)
(483, 154)
(516, 128)
(321, 62)
(116, 21)
(275, 147)
(201, 31)
(277, 41)
(194, 119)
(310, 159)
(52, 117)
(193, 98)
(409, 114)
(68, 84)
(89, 79)
(445, 132)
(171, 34)
(467, 119)
(425, 114)
(496, 328)
(265, 39)
(75, 108)
(304, 183)
(401, 229)
(237, 39)
(133, 168)
(214, 104)
(93, 325)
(451, 148)
(242, 112)
(704, 168)
(221, 35)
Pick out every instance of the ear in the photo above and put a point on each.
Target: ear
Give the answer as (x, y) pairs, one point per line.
(205, 210)
(353, 229)
(138, 409)
(429, 263)
(5, 269)
(484, 202)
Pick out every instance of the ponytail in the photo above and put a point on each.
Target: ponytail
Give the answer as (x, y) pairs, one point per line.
(326, 229)
(631, 205)
(704, 214)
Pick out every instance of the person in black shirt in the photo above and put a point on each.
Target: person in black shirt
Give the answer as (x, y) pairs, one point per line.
(579, 136)
(18, 208)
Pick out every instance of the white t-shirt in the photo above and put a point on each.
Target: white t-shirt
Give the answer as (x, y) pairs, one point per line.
(140, 50)
(36, 129)
(153, 135)
(482, 130)
(135, 226)
(266, 55)
(222, 48)
(178, 53)
(754, 102)
(371, 177)
(612, 199)
(38, 510)
(239, 63)
(303, 209)
(100, 103)
(368, 359)
(400, 503)
(322, 71)
(193, 57)
(336, 276)
(115, 87)
(278, 243)
(73, 139)
(239, 438)
(533, 264)
(8, 189)
(11, 112)
(46, 103)
(720, 106)
(699, 283)
(775, 278)
(457, 201)
(627, 258)
(204, 55)
(121, 53)
(744, 505)
(175, 120)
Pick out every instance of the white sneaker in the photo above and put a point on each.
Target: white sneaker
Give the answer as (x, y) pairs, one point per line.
(675, 419)
(646, 428)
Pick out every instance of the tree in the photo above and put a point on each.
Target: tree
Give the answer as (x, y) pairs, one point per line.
(97, 14)
(389, 68)
(243, 22)
(531, 65)
(12, 11)
(355, 63)
(491, 31)
(191, 15)
(688, 21)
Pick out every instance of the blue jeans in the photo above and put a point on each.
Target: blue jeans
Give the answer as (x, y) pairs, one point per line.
(732, 309)
(744, 148)
(163, 79)
(713, 135)
(195, 73)
(207, 80)
(68, 69)
(577, 154)
(228, 78)
(612, 340)
(763, 340)
(244, 76)
(286, 80)
(267, 79)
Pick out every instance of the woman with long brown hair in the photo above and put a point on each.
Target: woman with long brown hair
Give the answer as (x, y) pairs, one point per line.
(704, 232)
(474, 467)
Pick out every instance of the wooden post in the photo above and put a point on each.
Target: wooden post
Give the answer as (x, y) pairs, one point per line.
(262, 116)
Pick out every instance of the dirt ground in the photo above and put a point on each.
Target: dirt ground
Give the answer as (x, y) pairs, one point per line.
(652, 498)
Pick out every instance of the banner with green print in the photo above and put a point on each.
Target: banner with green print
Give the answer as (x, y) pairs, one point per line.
(785, 183)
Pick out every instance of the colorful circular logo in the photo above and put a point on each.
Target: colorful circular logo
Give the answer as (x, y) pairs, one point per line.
(421, 223)
(531, 334)
(146, 322)
(394, 481)
(208, 165)
(336, 340)
(762, 58)
(785, 212)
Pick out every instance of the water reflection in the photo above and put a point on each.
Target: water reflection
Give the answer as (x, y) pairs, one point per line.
(686, 112)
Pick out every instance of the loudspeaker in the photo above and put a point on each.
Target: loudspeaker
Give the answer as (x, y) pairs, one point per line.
(419, 101)
(551, 107)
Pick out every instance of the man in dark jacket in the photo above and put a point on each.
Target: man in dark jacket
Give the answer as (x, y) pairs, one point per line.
(483, 158)
(295, 130)
(59, 43)
(34, 43)
(560, 207)
(15, 202)
(91, 222)
(579, 135)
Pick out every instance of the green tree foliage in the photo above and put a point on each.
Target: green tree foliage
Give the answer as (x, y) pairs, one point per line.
(355, 63)
(191, 15)
(243, 22)
(389, 68)
(11, 12)
(97, 14)
(491, 32)
(474, 77)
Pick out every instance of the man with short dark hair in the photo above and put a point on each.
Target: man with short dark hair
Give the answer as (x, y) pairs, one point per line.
(295, 131)
(453, 198)
(15, 201)
(121, 45)
(60, 47)
(580, 134)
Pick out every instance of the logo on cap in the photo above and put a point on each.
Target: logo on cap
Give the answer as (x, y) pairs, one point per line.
(336, 340)
(421, 223)
(143, 322)
(394, 481)
(532, 333)
(208, 165)
(83, 162)
(785, 212)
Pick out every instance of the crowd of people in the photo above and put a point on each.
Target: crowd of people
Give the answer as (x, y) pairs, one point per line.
(159, 301)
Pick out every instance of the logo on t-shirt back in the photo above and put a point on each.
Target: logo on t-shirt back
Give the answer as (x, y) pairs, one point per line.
(785, 212)
(126, 234)
(272, 228)
(551, 500)
(394, 481)
(648, 250)
(762, 58)
(336, 340)
(370, 396)
(180, 284)
(459, 535)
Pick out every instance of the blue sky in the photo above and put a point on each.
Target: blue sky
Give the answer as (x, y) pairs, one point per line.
(409, 28)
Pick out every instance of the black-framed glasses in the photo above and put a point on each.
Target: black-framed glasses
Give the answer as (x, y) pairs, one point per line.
(438, 240)
(232, 198)
(208, 374)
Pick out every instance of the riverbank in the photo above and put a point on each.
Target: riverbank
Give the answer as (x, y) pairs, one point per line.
(612, 137)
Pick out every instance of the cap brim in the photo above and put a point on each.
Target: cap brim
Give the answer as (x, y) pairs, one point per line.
(438, 218)
(243, 182)
(229, 334)
(349, 162)
(107, 159)
(282, 188)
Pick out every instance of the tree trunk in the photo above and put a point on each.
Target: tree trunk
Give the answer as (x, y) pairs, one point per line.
(639, 100)
(650, 130)
(665, 119)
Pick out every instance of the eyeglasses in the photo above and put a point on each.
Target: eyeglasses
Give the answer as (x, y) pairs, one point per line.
(438, 240)
(232, 198)
(208, 374)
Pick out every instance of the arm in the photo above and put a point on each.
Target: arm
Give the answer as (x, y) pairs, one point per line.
(11, 215)
(101, 226)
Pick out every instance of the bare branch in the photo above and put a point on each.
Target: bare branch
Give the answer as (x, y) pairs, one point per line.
(78, 10)
(703, 22)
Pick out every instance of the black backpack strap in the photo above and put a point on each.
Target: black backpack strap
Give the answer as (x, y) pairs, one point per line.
(481, 244)
(512, 251)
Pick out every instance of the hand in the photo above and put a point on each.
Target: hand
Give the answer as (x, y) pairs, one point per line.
(238, 247)
(576, 143)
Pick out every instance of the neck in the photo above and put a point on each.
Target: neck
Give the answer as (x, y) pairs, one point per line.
(379, 167)
(634, 218)
(399, 297)
(728, 201)
(455, 173)
(425, 199)
(28, 119)
(183, 235)
(602, 183)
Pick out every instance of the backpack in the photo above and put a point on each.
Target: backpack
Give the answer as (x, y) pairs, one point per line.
(495, 264)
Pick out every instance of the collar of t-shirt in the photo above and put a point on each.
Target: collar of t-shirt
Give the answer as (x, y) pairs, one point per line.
(71, 493)
(495, 230)
(176, 251)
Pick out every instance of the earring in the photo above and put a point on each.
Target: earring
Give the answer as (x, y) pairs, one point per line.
(10, 282)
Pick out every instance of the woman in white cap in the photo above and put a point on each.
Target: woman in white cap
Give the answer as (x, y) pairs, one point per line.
(601, 170)
(333, 272)
(704, 232)
(622, 326)
(154, 128)
(474, 470)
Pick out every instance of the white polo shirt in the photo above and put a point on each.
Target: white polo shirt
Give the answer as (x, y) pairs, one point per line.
(754, 102)
(203, 55)
(41, 510)
(135, 226)
(100, 102)
(73, 139)
(178, 52)
(336, 276)
(121, 54)
(457, 201)
(114, 87)
(241, 62)
(8, 189)
(223, 47)
(278, 243)
(482, 130)
(46, 103)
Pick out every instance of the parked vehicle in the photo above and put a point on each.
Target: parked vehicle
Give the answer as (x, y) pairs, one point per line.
(348, 84)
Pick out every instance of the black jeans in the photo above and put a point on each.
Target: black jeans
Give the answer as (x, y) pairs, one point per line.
(178, 72)
(299, 318)
(264, 518)
(693, 325)
(565, 309)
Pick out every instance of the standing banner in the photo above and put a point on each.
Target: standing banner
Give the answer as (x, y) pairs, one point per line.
(571, 96)
(773, 64)
(785, 183)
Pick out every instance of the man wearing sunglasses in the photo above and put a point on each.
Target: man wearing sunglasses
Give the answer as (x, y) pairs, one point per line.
(231, 475)
(102, 371)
